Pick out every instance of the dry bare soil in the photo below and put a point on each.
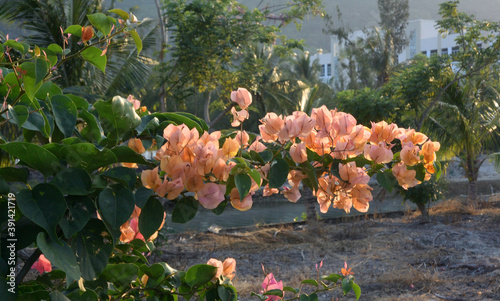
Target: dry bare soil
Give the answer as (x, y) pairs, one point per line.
(454, 256)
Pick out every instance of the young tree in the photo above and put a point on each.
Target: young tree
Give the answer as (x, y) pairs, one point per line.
(457, 97)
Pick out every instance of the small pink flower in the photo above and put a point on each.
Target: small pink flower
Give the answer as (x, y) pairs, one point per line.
(237, 203)
(257, 146)
(361, 196)
(380, 153)
(211, 195)
(242, 97)
(323, 118)
(150, 179)
(218, 264)
(239, 116)
(406, 178)
(42, 265)
(170, 188)
(242, 138)
(343, 123)
(229, 266)
(292, 194)
(298, 152)
(409, 154)
(271, 284)
(135, 102)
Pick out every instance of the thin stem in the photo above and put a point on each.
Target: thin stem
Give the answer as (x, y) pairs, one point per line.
(27, 266)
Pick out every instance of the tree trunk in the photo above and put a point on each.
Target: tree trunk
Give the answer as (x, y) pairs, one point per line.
(423, 210)
(472, 177)
(206, 108)
(163, 41)
(472, 190)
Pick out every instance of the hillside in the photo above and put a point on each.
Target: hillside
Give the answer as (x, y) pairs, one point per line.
(356, 14)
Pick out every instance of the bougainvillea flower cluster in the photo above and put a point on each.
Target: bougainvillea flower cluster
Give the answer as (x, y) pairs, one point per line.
(201, 165)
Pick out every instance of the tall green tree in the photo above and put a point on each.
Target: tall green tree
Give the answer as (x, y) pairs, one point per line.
(394, 19)
(208, 36)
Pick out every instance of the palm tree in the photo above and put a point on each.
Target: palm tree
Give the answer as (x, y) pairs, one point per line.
(43, 21)
(467, 121)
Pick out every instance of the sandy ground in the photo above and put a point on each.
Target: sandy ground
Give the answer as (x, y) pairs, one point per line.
(455, 256)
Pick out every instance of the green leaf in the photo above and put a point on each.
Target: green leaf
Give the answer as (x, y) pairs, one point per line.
(31, 86)
(310, 281)
(93, 131)
(304, 297)
(266, 155)
(137, 40)
(75, 30)
(123, 14)
(74, 181)
(274, 292)
(437, 170)
(278, 173)
(87, 156)
(243, 184)
(151, 218)
(185, 210)
(80, 210)
(179, 119)
(48, 89)
(255, 176)
(88, 295)
(127, 155)
(65, 114)
(79, 102)
(93, 247)
(41, 69)
(60, 255)
(357, 290)
(332, 278)
(290, 289)
(198, 120)
(310, 172)
(58, 296)
(51, 57)
(122, 175)
(101, 22)
(94, 56)
(117, 116)
(15, 45)
(142, 195)
(421, 171)
(116, 204)
(121, 275)
(256, 157)
(12, 174)
(346, 285)
(386, 179)
(17, 115)
(200, 274)
(4, 187)
(148, 122)
(155, 271)
(55, 48)
(44, 205)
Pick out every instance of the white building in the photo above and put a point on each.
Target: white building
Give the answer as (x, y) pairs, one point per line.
(423, 38)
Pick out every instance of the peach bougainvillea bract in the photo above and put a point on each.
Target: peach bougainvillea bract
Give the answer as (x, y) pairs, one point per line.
(201, 165)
